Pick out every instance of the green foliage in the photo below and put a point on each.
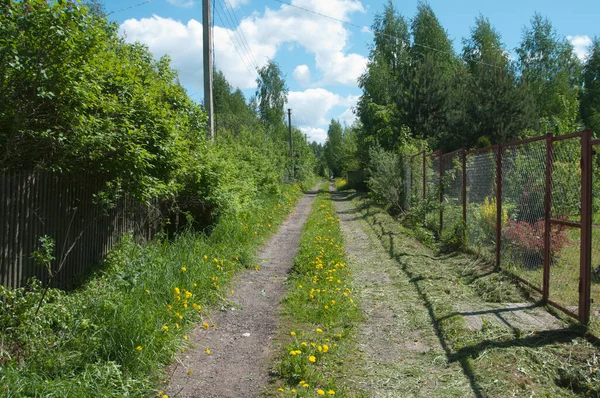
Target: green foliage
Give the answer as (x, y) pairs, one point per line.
(113, 336)
(590, 96)
(333, 148)
(271, 95)
(386, 178)
(75, 97)
(320, 306)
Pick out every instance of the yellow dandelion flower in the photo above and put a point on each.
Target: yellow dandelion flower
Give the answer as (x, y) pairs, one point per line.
(304, 344)
(185, 338)
(332, 302)
(232, 292)
(299, 286)
(205, 257)
(293, 333)
(320, 392)
(325, 348)
(215, 260)
(293, 390)
(165, 396)
(177, 291)
(319, 330)
(331, 392)
(147, 291)
(176, 326)
(166, 328)
(183, 269)
(312, 359)
(320, 348)
(190, 372)
(139, 348)
(280, 389)
(207, 351)
(205, 325)
(213, 325)
(169, 308)
(326, 307)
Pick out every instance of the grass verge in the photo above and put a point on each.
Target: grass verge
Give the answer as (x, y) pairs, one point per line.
(113, 336)
(320, 311)
(495, 361)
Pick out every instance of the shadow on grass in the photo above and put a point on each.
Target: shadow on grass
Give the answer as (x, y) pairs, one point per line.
(463, 355)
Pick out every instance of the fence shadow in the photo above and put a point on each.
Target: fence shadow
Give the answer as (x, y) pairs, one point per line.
(464, 355)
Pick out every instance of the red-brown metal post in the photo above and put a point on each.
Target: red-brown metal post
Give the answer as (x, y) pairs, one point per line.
(440, 153)
(498, 202)
(464, 193)
(547, 216)
(424, 177)
(585, 263)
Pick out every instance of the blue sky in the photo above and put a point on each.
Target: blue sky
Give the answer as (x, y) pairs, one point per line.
(320, 57)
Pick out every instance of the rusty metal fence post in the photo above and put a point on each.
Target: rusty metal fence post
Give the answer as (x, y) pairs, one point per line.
(586, 228)
(441, 180)
(464, 193)
(424, 177)
(498, 202)
(547, 217)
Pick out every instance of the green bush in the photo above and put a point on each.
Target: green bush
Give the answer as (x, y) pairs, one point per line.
(386, 178)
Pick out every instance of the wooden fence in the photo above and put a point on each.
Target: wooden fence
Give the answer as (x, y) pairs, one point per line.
(34, 204)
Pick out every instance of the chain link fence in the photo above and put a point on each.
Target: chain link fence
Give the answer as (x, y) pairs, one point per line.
(527, 206)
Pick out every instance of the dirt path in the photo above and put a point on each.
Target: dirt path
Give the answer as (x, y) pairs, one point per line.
(240, 344)
(401, 355)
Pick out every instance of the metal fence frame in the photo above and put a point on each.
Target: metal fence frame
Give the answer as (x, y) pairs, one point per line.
(585, 223)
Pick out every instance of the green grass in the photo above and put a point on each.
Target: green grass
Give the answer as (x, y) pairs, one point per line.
(320, 312)
(113, 336)
(494, 361)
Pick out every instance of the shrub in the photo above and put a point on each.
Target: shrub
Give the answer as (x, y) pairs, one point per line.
(486, 219)
(528, 239)
(386, 178)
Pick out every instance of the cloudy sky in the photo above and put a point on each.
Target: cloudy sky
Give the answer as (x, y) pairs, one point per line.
(320, 56)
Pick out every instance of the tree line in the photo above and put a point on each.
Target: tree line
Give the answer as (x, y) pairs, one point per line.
(417, 90)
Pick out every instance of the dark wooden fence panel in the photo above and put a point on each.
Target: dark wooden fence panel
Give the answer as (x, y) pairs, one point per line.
(34, 204)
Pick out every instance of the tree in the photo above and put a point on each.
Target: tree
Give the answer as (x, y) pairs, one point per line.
(382, 105)
(333, 148)
(271, 95)
(551, 73)
(590, 96)
(433, 66)
(496, 108)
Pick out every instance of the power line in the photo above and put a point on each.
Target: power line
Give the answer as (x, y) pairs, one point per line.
(366, 28)
(234, 34)
(239, 24)
(236, 48)
(130, 7)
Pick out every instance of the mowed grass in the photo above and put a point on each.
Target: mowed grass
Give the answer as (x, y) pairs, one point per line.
(112, 337)
(494, 361)
(320, 313)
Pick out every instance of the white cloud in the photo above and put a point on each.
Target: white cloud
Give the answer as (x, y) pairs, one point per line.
(237, 3)
(581, 44)
(310, 107)
(302, 75)
(347, 117)
(315, 134)
(182, 3)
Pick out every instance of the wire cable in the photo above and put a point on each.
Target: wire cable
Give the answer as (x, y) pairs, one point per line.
(231, 25)
(252, 75)
(366, 28)
(129, 8)
(241, 31)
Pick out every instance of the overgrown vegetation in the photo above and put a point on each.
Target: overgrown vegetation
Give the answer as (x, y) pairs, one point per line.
(320, 310)
(113, 336)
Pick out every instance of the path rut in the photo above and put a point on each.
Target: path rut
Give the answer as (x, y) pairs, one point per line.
(241, 342)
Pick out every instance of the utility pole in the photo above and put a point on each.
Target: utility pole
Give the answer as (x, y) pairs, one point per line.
(208, 70)
(291, 143)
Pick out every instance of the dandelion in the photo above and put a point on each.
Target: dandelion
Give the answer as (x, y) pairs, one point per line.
(326, 307)
(165, 396)
(232, 292)
(325, 348)
(176, 326)
(183, 269)
(185, 338)
(207, 351)
(331, 392)
(177, 291)
(280, 389)
(190, 372)
(320, 348)
(169, 308)
(299, 286)
(139, 348)
(320, 392)
(215, 260)
(293, 390)
(293, 333)
(205, 257)
(147, 291)
(319, 330)
(304, 343)
(312, 359)
(166, 328)
(205, 325)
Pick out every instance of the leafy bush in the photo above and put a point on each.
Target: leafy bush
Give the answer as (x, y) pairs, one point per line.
(386, 178)
(486, 219)
(528, 239)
